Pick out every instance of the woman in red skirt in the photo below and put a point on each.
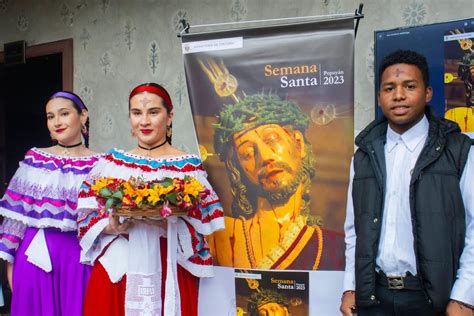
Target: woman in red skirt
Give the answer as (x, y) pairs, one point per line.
(146, 267)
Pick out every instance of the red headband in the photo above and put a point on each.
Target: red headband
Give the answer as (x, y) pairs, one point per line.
(159, 92)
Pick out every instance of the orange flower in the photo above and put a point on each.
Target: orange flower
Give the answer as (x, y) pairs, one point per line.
(192, 187)
(128, 189)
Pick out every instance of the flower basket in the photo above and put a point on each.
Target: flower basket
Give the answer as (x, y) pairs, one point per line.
(155, 199)
(155, 212)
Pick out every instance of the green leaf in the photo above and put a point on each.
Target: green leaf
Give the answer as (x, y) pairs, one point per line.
(166, 182)
(105, 192)
(172, 197)
(109, 203)
(118, 195)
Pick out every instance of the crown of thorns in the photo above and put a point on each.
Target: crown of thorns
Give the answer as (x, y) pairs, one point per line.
(253, 111)
(266, 296)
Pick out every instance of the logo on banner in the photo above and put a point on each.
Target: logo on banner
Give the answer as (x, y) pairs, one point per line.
(212, 45)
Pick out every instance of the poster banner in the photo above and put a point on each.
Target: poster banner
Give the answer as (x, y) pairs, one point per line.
(273, 109)
(459, 77)
(269, 292)
(449, 50)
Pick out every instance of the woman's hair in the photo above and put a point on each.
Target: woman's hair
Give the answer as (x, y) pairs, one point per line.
(160, 91)
(79, 106)
(154, 88)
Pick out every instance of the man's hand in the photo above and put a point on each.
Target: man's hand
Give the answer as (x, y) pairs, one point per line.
(456, 309)
(115, 227)
(348, 304)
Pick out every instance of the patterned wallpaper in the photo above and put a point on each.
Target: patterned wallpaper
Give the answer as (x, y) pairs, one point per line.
(120, 43)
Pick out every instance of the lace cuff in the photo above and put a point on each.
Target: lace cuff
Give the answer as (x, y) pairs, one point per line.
(11, 235)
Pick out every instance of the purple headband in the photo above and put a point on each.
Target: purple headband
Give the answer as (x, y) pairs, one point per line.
(70, 96)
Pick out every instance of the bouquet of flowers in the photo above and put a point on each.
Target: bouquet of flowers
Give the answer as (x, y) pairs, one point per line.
(158, 198)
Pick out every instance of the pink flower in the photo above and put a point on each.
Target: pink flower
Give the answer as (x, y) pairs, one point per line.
(185, 205)
(165, 211)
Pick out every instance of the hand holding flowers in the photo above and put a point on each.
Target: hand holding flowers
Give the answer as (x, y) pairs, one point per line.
(158, 198)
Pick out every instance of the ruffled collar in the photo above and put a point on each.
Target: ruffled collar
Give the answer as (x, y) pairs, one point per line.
(122, 153)
(184, 163)
(49, 156)
(37, 158)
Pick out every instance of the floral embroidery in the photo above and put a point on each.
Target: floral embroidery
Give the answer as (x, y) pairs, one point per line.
(38, 191)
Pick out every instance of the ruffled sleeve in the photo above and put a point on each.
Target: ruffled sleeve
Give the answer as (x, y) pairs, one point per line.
(194, 254)
(91, 220)
(211, 215)
(11, 230)
(43, 192)
(11, 235)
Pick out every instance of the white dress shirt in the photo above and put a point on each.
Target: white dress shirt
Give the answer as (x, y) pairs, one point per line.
(396, 255)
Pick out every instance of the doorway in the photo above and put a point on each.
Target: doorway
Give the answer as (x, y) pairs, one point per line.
(24, 91)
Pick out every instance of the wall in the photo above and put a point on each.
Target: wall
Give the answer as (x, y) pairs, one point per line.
(120, 43)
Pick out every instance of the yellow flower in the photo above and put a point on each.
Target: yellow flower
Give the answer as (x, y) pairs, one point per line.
(192, 187)
(126, 201)
(101, 183)
(187, 198)
(140, 194)
(154, 194)
(156, 191)
(128, 189)
(166, 190)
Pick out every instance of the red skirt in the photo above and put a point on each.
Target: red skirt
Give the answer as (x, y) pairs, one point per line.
(106, 298)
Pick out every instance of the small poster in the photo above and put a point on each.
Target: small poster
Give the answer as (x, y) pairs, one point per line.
(267, 292)
(458, 77)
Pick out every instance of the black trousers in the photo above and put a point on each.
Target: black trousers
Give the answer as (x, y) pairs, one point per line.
(399, 303)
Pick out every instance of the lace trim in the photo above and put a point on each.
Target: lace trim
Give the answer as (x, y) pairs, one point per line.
(40, 191)
(13, 227)
(51, 155)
